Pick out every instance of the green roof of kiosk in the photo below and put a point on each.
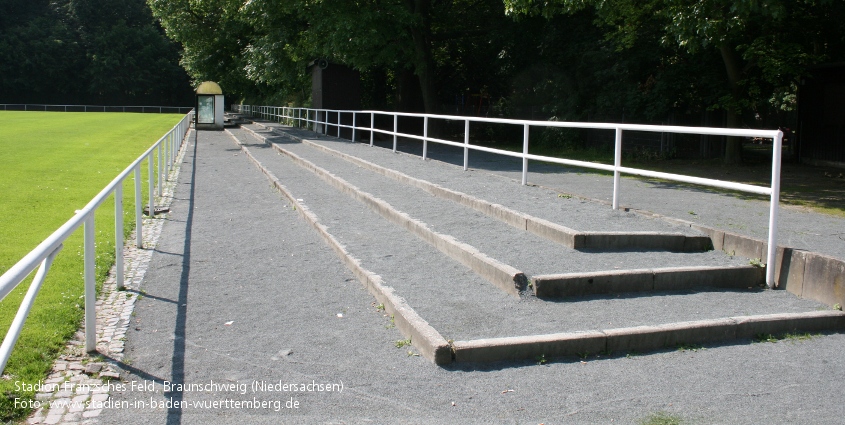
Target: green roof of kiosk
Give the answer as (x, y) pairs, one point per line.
(209, 87)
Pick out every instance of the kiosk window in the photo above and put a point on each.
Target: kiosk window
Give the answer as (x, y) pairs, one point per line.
(205, 108)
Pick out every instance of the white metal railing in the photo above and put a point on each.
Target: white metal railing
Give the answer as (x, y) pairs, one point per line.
(319, 118)
(42, 256)
(93, 108)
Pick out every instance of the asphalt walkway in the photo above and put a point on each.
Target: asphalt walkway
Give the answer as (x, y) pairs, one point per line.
(243, 297)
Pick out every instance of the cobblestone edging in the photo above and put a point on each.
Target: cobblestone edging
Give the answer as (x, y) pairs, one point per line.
(81, 381)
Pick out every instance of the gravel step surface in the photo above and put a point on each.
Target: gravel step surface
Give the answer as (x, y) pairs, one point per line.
(797, 226)
(540, 202)
(529, 253)
(462, 306)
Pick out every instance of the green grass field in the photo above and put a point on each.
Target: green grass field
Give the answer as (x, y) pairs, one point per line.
(52, 164)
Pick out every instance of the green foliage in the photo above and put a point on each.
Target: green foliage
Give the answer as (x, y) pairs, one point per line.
(662, 418)
(789, 336)
(764, 46)
(52, 164)
(88, 51)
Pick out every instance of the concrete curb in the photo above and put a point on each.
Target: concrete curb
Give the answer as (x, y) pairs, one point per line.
(673, 242)
(645, 338)
(501, 275)
(806, 274)
(608, 241)
(529, 347)
(642, 280)
(423, 336)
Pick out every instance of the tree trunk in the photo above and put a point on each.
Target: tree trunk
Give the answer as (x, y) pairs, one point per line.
(424, 66)
(733, 148)
(423, 60)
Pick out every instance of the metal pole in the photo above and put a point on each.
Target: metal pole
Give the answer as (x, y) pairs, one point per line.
(172, 148)
(617, 162)
(771, 255)
(425, 137)
(26, 305)
(90, 285)
(524, 157)
(139, 204)
(151, 186)
(395, 129)
(466, 145)
(159, 174)
(166, 147)
(118, 235)
(353, 125)
(372, 127)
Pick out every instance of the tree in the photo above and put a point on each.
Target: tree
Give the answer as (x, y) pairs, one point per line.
(266, 43)
(762, 48)
(87, 51)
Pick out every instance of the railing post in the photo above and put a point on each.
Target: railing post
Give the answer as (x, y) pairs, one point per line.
(139, 209)
(466, 145)
(90, 285)
(166, 146)
(159, 173)
(425, 137)
(771, 255)
(372, 127)
(524, 155)
(171, 149)
(395, 129)
(617, 162)
(151, 186)
(118, 235)
(353, 125)
(26, 305)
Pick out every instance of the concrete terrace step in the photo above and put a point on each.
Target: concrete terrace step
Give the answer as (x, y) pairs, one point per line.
(434, 298)
(553, 206)
(523, 251)
(666, 236)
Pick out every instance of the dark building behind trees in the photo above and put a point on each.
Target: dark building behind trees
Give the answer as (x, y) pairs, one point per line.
(821, 116)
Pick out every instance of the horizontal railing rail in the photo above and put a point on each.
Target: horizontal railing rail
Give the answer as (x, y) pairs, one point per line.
(319, 121)
(42, 256)
(94, 108)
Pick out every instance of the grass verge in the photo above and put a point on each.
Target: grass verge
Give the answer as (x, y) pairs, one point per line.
(52, 164)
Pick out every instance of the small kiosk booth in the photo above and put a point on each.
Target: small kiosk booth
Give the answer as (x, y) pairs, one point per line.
(209, 114)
